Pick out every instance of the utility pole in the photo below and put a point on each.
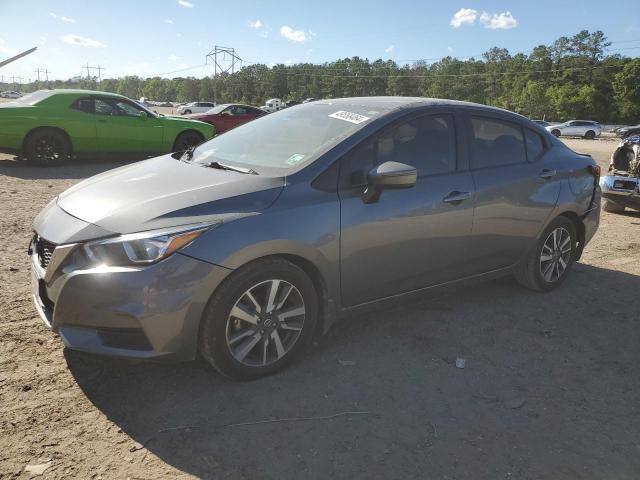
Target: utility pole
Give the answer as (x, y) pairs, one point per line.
(224, 60)
(98, 68)
(45, 72)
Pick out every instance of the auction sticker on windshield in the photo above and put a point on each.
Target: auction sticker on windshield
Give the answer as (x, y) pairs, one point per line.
(349, 117)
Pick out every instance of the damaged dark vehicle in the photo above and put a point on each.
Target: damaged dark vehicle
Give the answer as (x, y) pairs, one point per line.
(620, 185)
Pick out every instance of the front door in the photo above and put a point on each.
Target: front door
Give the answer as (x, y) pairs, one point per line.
(409, 238)
(123, 126)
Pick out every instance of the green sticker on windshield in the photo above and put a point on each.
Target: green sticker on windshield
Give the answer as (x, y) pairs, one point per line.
(294, 159)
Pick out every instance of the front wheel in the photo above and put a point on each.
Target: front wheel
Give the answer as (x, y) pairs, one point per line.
(555, 132)
(549, 263)
(259, 319)
(186, 140)
(186, 112)
(47, 147)
(590, 135)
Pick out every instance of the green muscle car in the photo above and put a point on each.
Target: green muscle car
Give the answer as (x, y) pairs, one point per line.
(51, 126)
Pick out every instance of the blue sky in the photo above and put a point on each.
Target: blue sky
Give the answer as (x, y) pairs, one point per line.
(147, 37)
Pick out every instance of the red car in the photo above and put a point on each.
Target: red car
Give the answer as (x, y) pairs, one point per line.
(227, 116)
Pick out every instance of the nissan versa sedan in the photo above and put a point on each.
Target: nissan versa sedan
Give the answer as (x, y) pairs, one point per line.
(245, 247)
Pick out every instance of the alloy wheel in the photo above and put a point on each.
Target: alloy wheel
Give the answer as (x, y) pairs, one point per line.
(555, 254)
(265, 323)
(48, 149)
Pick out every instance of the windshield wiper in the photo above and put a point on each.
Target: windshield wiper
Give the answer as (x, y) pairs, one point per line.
(222, 166)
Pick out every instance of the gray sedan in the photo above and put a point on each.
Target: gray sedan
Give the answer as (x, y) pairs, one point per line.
(247, 246)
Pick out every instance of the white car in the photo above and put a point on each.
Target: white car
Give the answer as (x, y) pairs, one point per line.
(576, 128)
(195, 107)
(272, 105)
(10, 94)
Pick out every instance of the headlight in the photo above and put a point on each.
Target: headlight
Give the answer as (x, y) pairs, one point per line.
(143, 248)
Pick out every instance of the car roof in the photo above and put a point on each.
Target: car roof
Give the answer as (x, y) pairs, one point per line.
(388, 104)
(80, 92)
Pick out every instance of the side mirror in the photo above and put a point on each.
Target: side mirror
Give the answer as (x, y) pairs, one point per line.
(389, 175)
(143, 115)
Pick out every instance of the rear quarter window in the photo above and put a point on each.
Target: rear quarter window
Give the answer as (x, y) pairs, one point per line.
(535, 145)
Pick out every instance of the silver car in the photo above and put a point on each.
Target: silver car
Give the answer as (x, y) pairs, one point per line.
(576, 128)
(247, 246)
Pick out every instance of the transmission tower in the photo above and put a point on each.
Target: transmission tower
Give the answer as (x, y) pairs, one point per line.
(225, 60)
(98, 68)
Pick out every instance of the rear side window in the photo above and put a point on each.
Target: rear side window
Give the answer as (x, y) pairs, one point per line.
(496, 143)
(83, 105)
(535, 145)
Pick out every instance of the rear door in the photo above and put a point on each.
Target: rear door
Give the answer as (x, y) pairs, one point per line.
(517, 186)
(409, 238)
(123, 126)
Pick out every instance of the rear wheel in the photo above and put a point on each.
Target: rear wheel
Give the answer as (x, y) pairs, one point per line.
(259, 319)
(187, 139)
(612, 207)
(47, 147)
(590, 135)
(186, 112)
(555, 132)
(549, 263)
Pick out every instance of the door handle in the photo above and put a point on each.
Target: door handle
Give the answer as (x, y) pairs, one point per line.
(456, 198)
(547, 174)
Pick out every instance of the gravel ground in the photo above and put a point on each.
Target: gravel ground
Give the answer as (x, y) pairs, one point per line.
(549, 390)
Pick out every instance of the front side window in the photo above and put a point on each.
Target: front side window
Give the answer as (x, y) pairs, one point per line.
(426, 143)
(115, 107)
(496, 143)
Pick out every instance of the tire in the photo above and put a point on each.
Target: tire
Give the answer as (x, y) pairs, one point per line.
(533, 271)
(186, 112)
(47, 147)
(612, 207)
(555, 132)
(235, 345)
(187, 139)
(590, 135)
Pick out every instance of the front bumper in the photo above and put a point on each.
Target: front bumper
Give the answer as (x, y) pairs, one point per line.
(621, 189)
(136, 312)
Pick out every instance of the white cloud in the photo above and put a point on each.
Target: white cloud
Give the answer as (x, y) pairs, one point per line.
(82, 41)
(292, 35)
(63, 18)
(184, 66)
(449, 49)
(390, 48)
(169, 21)
(184, 3)
(468, 16)
(257, 24)
(55, 51)
(494, 21)
(464, 16)
(173, 57)
(6, 49)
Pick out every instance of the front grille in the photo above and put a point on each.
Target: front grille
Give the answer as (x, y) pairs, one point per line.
(44, 249)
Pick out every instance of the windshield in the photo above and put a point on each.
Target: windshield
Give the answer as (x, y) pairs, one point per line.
(284, 141)
(218, 109)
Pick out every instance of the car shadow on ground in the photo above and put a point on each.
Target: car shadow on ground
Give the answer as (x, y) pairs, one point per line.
(541, 379)
(76, 169)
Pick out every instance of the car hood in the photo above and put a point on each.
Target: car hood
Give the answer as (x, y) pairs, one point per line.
(183, 120)
(163, 192)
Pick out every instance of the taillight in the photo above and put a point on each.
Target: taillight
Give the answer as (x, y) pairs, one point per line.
(595, 170)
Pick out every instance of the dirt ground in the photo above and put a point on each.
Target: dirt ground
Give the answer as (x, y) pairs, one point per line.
(550, 389)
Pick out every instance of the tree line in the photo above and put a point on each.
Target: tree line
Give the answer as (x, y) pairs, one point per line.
(574, 77)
